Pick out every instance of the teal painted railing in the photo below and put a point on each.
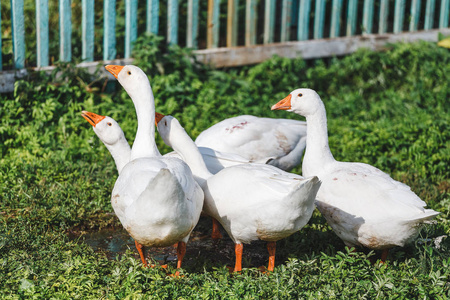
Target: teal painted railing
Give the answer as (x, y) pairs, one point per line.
(247, 23)
(65, 31)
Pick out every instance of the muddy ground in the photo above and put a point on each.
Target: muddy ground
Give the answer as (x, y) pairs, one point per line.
(201, 252)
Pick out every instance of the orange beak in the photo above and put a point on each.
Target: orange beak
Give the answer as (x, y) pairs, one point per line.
(92, 118)
(284, 104)
(158, 117)
(113, 69)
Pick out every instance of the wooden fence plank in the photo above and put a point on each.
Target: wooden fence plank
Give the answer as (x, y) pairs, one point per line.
(351, 17)
(152, 15)
(415, 14)
(232, 22)
(172, 22)
(109, 30)
(443, 18)
(250, 22)
(18, 33)
(41, 33)
(130, 25)
(269, 21)
(335, 18)
(429, 14)
(212, 35)
(368, 16)
(286, 6)
(303, 20)
(65, 31)
(238, 56)
(398, 15)
(384, 13)
(192, 24)
(319, 19)
(87, 30)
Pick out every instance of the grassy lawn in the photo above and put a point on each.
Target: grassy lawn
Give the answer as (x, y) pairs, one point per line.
(389, 109)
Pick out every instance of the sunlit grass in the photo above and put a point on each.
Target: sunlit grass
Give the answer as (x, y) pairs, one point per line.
(388, 109)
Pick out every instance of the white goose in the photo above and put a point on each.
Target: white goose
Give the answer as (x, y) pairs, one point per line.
(251, 201)
(363, 205)
(112, 136)
(278, 142)
(156, 198)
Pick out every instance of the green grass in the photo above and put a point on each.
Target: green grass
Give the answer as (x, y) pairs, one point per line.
(388, 109)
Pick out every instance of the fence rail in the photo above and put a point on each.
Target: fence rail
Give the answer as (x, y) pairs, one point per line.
(225, 33)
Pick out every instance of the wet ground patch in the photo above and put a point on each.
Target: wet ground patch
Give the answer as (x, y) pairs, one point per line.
(202, 252)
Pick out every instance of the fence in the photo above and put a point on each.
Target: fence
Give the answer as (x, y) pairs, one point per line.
(249, 32)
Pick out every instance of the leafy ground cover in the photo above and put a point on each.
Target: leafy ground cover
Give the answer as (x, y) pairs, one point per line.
(389, 109)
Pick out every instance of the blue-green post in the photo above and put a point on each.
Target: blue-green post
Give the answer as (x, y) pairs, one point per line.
(172, 22)
(368, 16)
(192, 24)
(444, 15)
(152, 25)
(319, 19)
(285, 20)
(250, 22)
(109, 30)
(65, 31)
(351, 17)
(415, 14)
(303, 20)
(384, 12)
(269, 21)
(398, 15)
(335, 18)
(429, 14)
(18, 33)
(87, 30)
(130, 25)
(42, 32)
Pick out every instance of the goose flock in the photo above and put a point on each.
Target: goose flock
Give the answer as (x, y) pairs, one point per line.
(236, 172)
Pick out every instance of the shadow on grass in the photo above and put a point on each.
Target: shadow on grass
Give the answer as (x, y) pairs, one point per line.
(203, 253)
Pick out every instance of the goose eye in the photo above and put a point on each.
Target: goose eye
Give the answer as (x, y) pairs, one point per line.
(165, 123)
(299, 95)
(109, 124)
(129, 72)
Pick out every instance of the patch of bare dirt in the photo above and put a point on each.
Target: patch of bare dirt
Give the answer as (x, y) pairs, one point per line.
(201, 252)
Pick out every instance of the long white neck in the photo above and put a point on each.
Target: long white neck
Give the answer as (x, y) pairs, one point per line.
(183, 144)
(121, 153)
(144, 102)
(318, 153)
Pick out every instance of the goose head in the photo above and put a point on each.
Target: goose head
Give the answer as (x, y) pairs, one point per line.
(164, 126)
(132, 78)
(106, 128)
(136, 84)
(304, 102)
